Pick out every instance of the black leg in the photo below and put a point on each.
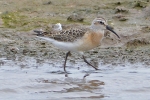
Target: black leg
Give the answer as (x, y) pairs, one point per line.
(67, 54)
(89, 63)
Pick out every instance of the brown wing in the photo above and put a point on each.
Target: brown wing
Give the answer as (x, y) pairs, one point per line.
(68, 35)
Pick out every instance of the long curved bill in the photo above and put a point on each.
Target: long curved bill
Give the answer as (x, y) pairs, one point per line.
(110, 29)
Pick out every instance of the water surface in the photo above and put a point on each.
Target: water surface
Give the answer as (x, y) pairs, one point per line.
(30, 79)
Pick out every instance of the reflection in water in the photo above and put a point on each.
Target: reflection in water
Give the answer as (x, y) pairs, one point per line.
(30, 78)
(73, 86)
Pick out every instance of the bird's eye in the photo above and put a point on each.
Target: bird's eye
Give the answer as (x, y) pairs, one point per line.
(101, 22)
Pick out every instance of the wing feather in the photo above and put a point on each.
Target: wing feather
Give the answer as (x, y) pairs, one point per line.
(68, 35)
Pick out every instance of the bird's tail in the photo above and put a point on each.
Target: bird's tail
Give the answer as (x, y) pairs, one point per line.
(47, 39)
(40, 32)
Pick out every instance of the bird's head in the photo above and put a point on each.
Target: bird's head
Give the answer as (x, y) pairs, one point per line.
(100, 23)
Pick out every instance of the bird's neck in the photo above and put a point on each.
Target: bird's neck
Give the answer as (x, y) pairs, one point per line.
(96, 29)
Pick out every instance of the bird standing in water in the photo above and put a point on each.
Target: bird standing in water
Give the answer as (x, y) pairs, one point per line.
(79, 39)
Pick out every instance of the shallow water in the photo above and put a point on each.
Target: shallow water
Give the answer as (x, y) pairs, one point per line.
(28, 78)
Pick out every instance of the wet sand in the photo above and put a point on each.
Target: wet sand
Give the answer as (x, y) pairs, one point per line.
(31, 69)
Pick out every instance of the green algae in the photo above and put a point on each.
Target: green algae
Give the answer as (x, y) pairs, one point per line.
(13, 20)
(20, 22)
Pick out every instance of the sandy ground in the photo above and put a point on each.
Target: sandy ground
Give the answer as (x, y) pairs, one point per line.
(31, 69)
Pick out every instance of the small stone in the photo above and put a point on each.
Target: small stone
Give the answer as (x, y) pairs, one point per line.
(47, 3)
(14, 49)
(75, 17)
(139, 4)
(120, 9)
(120, 17)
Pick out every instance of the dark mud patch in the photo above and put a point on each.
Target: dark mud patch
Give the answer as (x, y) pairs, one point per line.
(138, 42)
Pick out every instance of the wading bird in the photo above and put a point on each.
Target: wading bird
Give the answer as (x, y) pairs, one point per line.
(79, 39)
